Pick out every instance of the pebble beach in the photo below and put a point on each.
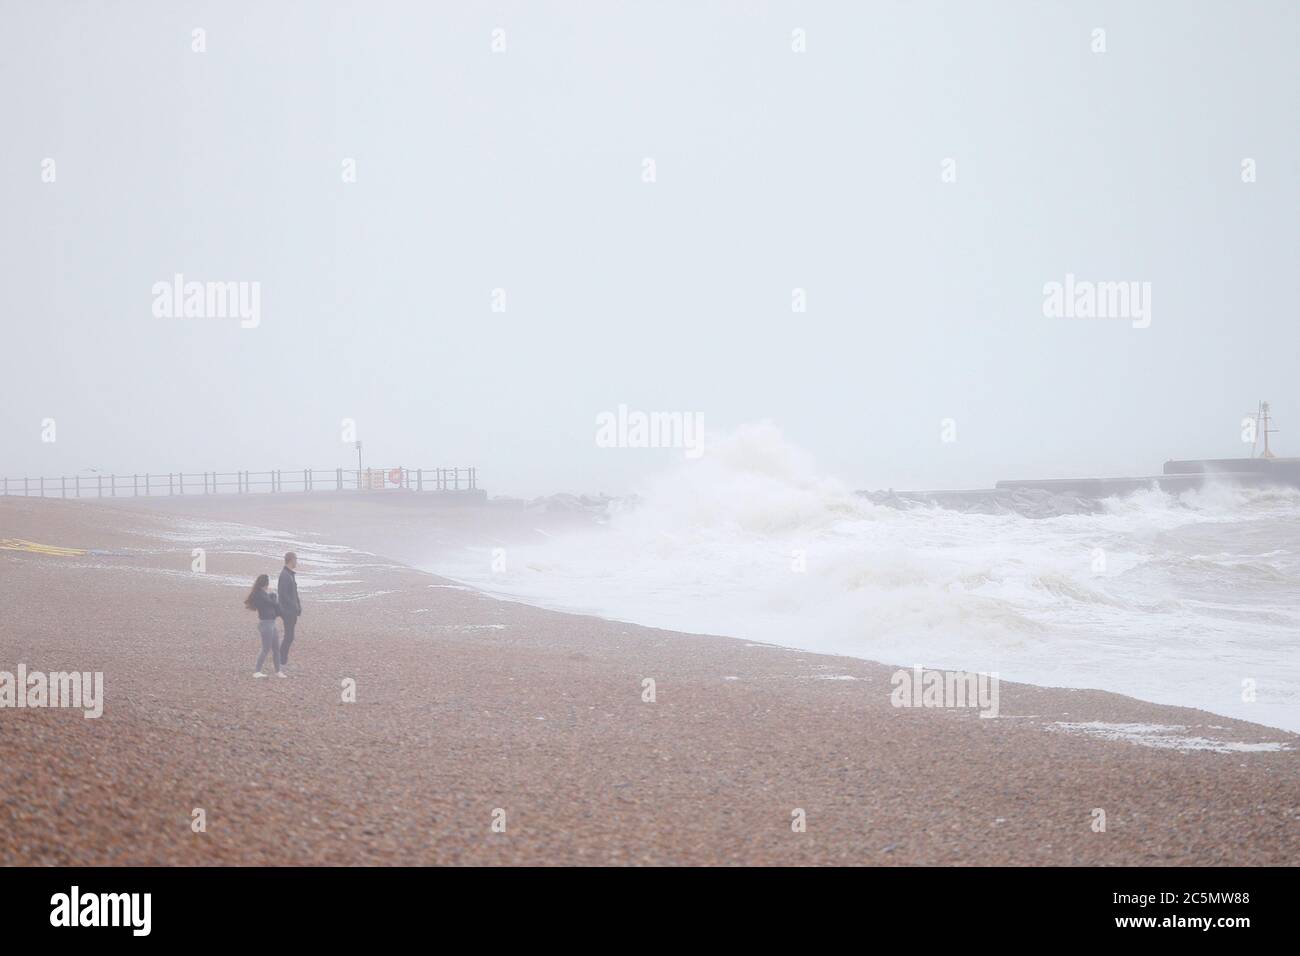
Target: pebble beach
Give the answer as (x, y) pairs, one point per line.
(488, 732)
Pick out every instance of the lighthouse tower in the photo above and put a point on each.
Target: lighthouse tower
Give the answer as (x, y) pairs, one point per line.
(1262, 429)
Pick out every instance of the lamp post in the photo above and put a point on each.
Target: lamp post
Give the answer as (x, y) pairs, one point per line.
(358, 464)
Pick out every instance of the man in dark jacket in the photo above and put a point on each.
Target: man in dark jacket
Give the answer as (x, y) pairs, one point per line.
(290, 604)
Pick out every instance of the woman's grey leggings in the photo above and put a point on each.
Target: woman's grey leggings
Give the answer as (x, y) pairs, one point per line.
(270, 644)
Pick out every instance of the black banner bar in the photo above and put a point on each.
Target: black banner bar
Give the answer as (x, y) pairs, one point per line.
(208, 905)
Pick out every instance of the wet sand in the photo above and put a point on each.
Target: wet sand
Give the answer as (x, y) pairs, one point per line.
(470, 709)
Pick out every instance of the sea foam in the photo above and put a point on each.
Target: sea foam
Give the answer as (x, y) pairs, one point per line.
(1191, 599)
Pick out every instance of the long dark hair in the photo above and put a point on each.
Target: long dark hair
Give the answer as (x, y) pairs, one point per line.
(261, 582)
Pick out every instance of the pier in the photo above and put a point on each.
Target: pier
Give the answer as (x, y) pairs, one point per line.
(456, 483)
(1047, 496)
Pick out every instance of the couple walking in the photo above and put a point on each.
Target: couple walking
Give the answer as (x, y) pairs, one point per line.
(268, 605)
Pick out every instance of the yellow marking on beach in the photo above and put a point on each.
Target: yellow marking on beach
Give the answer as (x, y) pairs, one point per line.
(17, 544)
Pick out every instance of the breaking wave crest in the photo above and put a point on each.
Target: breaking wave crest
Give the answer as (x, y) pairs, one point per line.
(1171, 598)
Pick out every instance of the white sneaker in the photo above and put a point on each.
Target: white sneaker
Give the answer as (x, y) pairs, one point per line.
(258, 674)
(281, 674)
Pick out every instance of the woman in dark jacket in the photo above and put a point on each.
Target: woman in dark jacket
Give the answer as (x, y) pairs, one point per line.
(268, 608)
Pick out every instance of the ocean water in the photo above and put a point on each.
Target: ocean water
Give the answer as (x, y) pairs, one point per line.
(1191, 599)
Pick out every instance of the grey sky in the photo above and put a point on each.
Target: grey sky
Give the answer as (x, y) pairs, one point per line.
(523, 170)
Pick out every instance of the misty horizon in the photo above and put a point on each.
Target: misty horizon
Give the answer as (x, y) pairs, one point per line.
(456, 247)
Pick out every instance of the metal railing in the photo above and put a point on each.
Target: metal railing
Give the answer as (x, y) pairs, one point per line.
(243, 482)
